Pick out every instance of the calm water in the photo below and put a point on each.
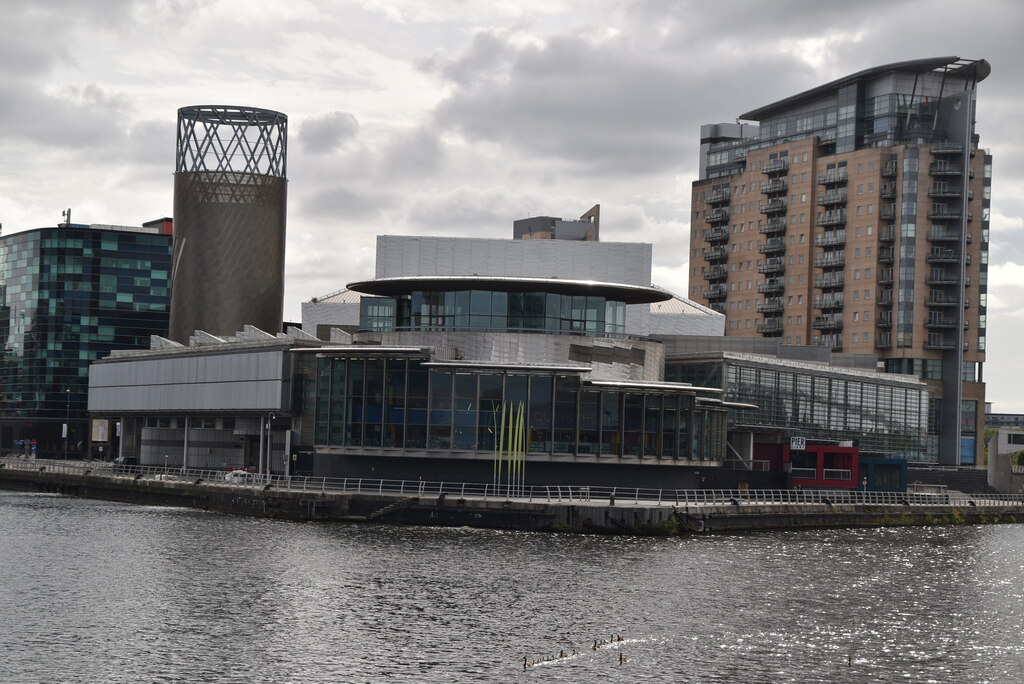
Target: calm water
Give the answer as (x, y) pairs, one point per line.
(93, 591)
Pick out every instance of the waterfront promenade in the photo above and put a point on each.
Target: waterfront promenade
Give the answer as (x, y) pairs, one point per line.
(531, 507)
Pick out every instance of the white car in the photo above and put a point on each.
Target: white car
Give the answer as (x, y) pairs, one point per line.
(238, 477)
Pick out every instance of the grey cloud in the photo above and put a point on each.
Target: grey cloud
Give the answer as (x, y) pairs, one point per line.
(413, 154)
(344, 204)
(79, 117)
(327, 133)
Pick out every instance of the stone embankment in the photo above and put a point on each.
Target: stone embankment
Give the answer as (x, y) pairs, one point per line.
(543, 510)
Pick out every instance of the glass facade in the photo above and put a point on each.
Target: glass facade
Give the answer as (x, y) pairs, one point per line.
(492, 310)
(401, 403)
(882, 417)
(69, 296)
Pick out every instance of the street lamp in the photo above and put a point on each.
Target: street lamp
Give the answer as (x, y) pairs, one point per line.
(67, 422)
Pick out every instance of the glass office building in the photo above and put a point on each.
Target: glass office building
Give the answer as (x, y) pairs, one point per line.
(70, 295)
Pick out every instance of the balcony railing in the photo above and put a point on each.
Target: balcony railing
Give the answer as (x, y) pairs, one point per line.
(942, 278)
(831, 218)
(770, 305)
(886, 255)
(775, 166)
(938, 323)
(833, 177)
(831, 238)
(943, 190)
(772, 266)
(829, 302)
(884, 340)
(829, 281)
(773, 225)
(717, 196)
(941, 234)
(771, 286)
(773, 246)
(715, 292)
(946, 148)
(831, 322)
(774, 185)
(884, 319)
(832, 197)
(943, 213)
(943, 300)
(716, 235)
(716, 273)
(716, 253)
(943, 256)
(830, 260)
(937, 341)
(888, 191)
(885, 297)
(771, 326)
(887, 233)
(774, 206)
(890, 168)
(887, 212)
(885, 276)
(717, 216)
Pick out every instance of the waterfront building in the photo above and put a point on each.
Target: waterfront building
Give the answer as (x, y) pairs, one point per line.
(855, 216)
(70, 294)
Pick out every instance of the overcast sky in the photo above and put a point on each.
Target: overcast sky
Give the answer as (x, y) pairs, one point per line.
(448, 117)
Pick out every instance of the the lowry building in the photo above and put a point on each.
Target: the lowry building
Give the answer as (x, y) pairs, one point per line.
(855, 216)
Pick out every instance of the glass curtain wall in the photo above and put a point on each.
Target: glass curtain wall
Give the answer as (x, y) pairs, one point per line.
(398, 403)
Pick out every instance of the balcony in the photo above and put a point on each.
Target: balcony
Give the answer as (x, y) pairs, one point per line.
(890, 168)
(887, 212)
(943, 234)
(773, 246)
(829, 322)
(830, 260)
(832, 197)
(773, 266)
(832, 238)
(941, 212)
(716, 273)
(827, 137)
(829, 281)
(771, 286)
(717, 307)
(942, 278)
(831, 218)
(887, 233)
(884, 319)
(941, 323)
(888, 191)
(944, 169)
(885, 297)
(717, 196)
(939, 255)
(938, 299)
(886, 255)
(885, 276)
(773, 226)
(716, 235)
(939, 341)
(946, 148)
(829, 302)
(770, 327)
(775, 166)
(941, 190)
(774, 206)
(834, 341)
(774, 185)
(770, 305)
(884, 340)
(833, 177)
(718, 253)
(717, 216)
(715, 292)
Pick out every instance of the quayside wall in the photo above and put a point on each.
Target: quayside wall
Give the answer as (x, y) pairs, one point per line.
(607, 515)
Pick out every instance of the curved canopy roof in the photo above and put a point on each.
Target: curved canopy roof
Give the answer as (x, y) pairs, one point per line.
(619, 292)
(964, 68)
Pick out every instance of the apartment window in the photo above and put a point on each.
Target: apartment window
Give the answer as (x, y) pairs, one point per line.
(789, 300)
(856, 295)
(799, 320)
(867, 274)
(789, 320)
(867, 251)
(860, 210)
(860, 189)
(803, 196)
(856, 253)
(804, 158)
(871, 166)
(860, 168)
(854, 337)
(800, 279)
(870, 230)
(871, 187)
(871, 209)
(857, 232)
(800, 259)
(856, 274)
(856, 317)
(867, 294)
(803, 177)
(799, 339)
(803, 218)
(800, 298)
(747, 323)
(867, 315)
(788, 338)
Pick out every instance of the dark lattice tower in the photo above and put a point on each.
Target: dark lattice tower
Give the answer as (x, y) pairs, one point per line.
(230, 197)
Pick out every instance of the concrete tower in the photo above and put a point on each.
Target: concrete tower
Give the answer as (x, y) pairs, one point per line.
(230, 197)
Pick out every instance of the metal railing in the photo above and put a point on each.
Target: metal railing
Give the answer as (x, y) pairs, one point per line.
(528, 493)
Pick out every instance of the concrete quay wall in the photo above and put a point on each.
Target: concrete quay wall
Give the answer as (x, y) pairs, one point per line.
(601, 517)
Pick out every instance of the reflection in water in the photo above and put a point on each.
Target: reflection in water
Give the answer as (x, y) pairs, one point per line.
(98, 591)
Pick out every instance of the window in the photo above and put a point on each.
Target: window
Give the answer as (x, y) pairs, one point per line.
(856, 317)
(860, 189)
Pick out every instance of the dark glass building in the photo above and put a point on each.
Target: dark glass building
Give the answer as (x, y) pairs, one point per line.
(68, 296)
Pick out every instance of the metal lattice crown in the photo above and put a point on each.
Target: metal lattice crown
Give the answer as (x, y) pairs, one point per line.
(223, 138)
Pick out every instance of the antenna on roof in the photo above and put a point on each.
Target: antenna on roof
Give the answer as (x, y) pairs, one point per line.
(66, 214)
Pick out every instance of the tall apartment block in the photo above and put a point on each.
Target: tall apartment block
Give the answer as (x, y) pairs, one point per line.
(855, 216)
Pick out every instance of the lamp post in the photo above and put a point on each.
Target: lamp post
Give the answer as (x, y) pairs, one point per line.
(67, 422)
